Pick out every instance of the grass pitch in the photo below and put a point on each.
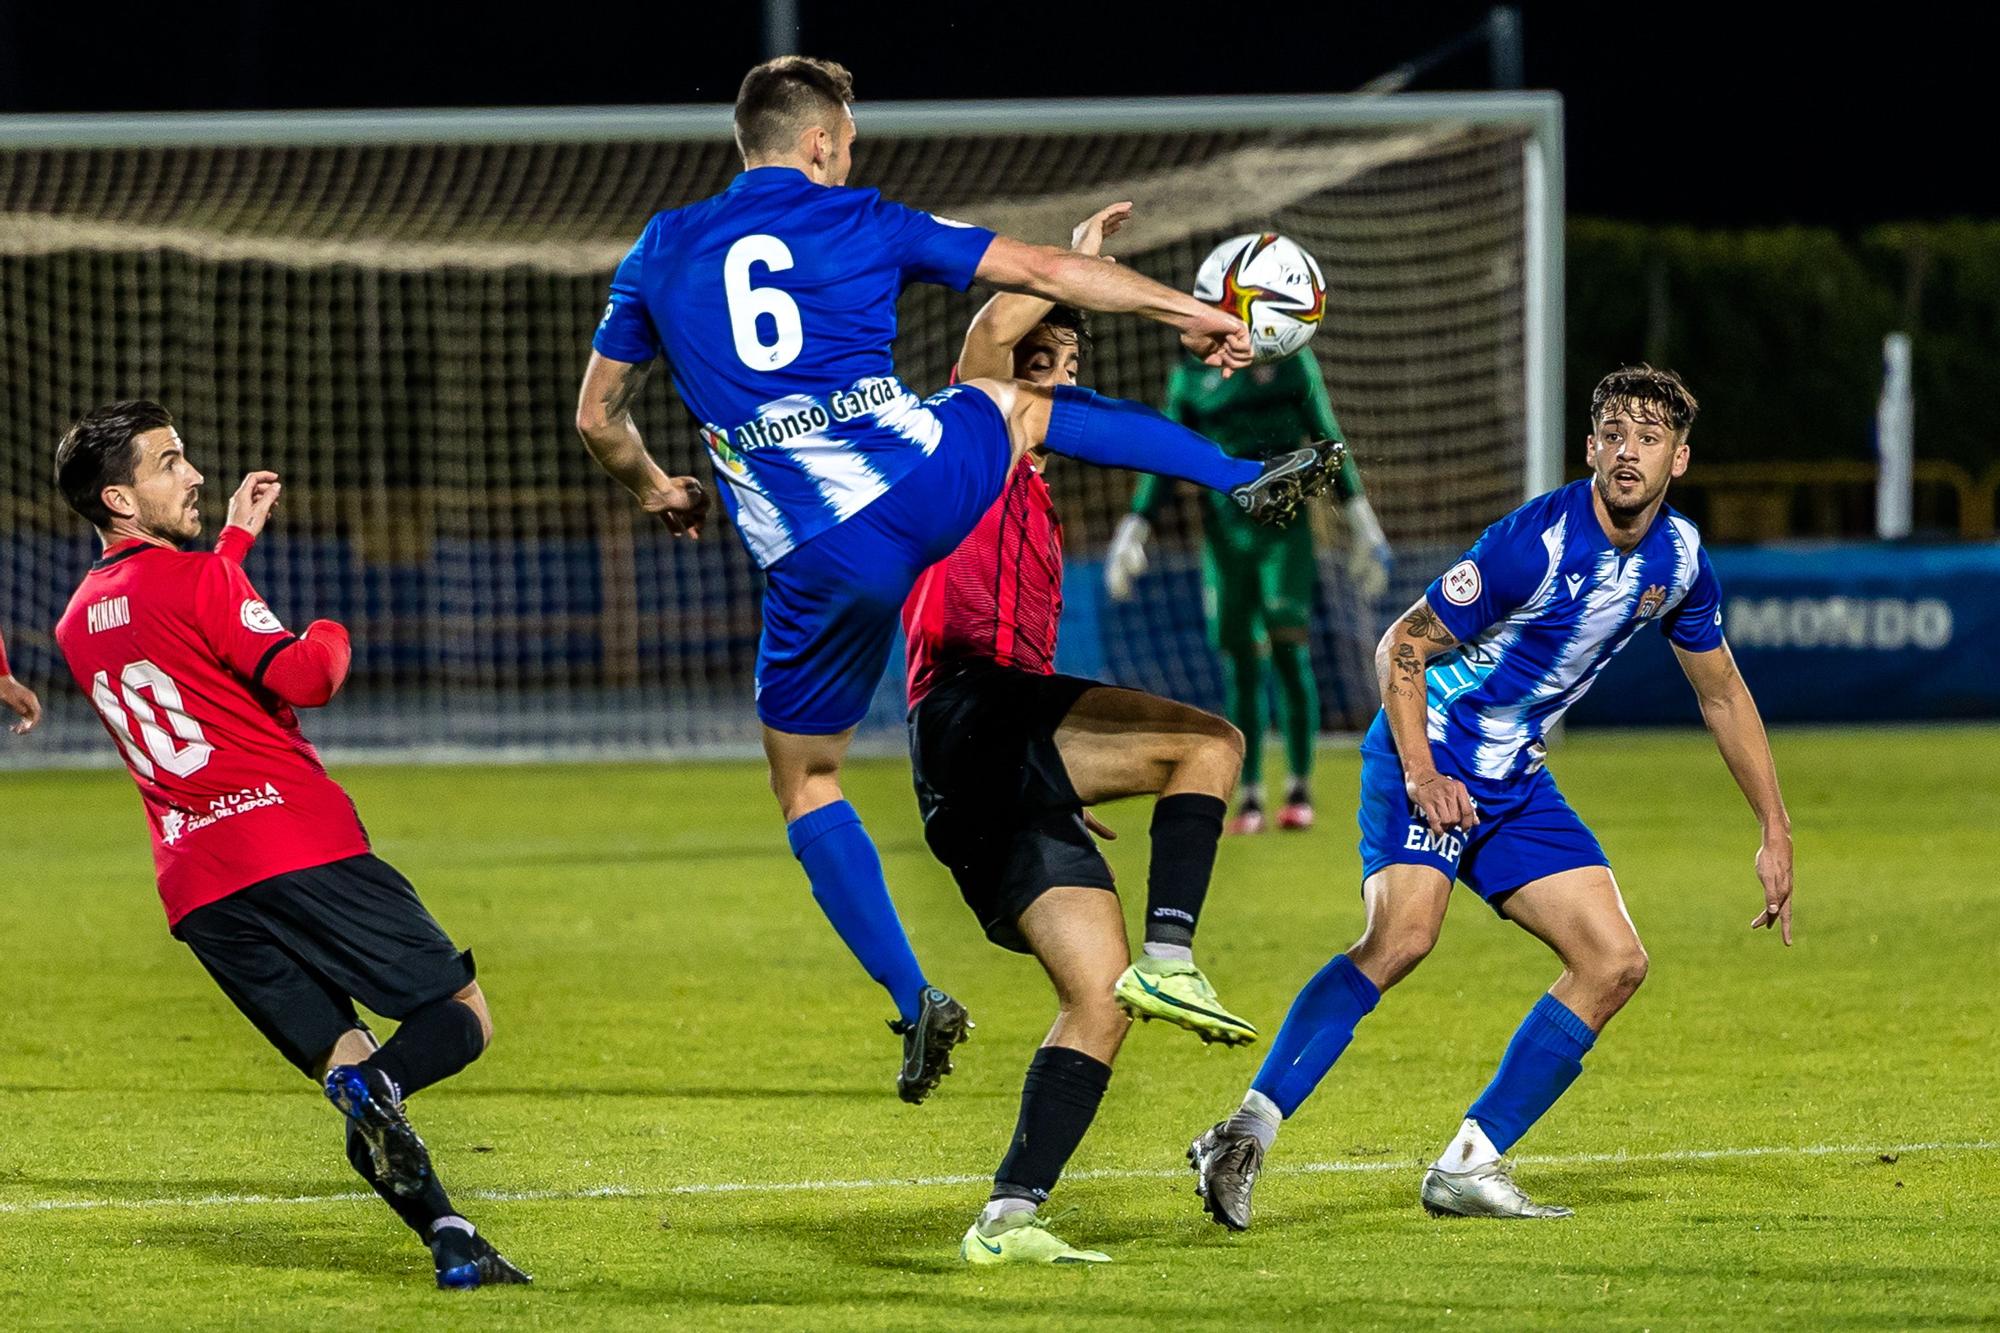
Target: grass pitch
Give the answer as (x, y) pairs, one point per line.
(684, 1049)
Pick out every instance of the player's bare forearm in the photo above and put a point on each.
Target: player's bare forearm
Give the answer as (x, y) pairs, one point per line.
(1009, 317)
(1002, 322)
(1732, 718)
(604, 420)
(1400, 660)
(1089, 283)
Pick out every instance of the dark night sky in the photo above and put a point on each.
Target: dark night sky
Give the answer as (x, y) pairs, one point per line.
(1736, 115)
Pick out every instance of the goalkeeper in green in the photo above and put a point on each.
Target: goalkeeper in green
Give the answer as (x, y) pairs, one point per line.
(1258, 581)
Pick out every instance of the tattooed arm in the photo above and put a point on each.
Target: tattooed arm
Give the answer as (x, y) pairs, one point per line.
(1399, 669)
(604, 419)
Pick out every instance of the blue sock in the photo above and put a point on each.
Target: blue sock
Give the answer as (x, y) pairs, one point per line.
(1112, 432)
(847, 883)
(1315, 1032)
(1541, 1062)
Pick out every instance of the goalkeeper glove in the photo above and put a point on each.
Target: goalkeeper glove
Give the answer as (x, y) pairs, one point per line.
(1369, 559)
(1126, 559)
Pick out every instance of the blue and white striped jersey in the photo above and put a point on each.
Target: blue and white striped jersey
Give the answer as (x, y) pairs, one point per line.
(1539, 606)
(775, 304)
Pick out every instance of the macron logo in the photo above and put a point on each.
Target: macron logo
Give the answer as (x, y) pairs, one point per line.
(1575, 583)
(108, 614)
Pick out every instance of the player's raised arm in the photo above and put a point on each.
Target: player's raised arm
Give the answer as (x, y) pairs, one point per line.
(1399, 670)
(1056, 274)
(1002, 322)
(1732, 718)
(604, 420)
(304, 670)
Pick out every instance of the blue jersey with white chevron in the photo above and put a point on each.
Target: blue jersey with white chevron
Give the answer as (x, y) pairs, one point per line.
(775, 304)
(1539, 605)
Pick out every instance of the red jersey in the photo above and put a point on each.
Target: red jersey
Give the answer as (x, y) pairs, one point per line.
(5, 670)
(171, 647)
(998, 597)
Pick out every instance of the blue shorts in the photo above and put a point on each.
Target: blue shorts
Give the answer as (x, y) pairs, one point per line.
(1526, 830)
(831, 607)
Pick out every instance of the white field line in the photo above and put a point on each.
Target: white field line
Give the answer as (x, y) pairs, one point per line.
(928, 1182)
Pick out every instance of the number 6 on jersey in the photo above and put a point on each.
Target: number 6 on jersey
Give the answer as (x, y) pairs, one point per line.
(746, 303)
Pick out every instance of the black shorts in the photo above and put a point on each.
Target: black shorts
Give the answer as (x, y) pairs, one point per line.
(998, 807)
(296, 951)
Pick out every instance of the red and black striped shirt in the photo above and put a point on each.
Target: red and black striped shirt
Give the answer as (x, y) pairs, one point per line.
(998, 597)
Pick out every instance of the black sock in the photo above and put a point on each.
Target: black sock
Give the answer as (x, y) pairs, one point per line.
(1186, 828)
(417, 1210)
(1058, 1101)
(433, 1043)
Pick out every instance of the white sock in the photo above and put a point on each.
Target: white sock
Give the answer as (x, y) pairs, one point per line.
(1259, 1117)
(1251, 793)
(453, 1221)
(997, 1211)
(1468, 1150)
(1178, 952)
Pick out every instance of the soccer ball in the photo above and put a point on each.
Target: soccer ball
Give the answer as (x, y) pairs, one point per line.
(1270, 283)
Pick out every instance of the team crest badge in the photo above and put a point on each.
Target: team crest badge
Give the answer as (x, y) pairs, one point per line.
(1655, 597)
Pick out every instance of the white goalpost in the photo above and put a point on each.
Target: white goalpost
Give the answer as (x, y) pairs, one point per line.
(393, 309)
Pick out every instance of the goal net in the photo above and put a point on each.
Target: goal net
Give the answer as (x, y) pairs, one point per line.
(393, 311)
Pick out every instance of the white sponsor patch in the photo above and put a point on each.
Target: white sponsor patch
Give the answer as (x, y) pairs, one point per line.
(257, 618)
(1461, 583)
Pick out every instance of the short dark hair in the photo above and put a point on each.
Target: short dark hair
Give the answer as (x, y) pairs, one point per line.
(1069, 317)
(98, 451)
(1643, 386)
(781, 97)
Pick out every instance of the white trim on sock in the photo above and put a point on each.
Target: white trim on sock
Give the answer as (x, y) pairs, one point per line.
(1179, 953)
(1257, 1104)
(455, 1222)
(998, 1211)
(1468, 1150)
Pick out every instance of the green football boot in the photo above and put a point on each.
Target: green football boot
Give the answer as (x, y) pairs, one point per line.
(1178, 992)
(1021, 1238)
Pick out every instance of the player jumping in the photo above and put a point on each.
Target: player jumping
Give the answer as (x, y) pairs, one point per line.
(1007, 754)
(1453, 785)
(263, 865)
(17, 698)
(1258, 582)
(775, 302)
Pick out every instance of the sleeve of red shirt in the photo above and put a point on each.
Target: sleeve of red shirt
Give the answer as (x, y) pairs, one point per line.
(251, 640)
(234, 543)
(5, 670)
(309, 671)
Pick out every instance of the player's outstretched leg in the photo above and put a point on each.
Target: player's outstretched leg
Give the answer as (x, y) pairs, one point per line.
(1078, 934)
(1113, 432)
(1117, 743)
(1580, 915)
(1405, 910)
(845, 871)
